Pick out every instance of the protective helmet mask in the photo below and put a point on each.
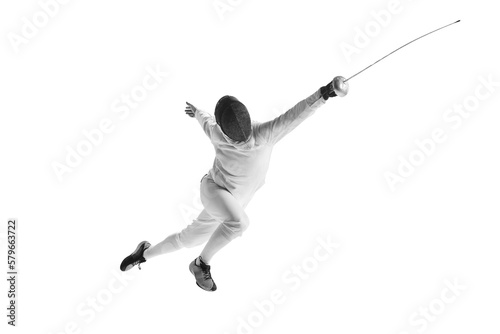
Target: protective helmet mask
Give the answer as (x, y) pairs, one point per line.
(233, 118)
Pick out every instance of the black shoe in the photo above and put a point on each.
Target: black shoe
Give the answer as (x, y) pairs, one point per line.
(136, 257)
(202, 274)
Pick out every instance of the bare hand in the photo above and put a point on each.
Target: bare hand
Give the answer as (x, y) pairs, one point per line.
(190, 109)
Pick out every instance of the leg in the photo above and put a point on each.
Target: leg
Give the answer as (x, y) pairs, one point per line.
(194, 234)
(225, 208)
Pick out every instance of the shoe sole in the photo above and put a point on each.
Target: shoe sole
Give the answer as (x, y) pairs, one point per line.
(146, 245)
(213, 288)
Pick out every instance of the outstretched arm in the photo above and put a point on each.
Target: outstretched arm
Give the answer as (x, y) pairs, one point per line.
(276, 129)
(206, 120)
(279, 127)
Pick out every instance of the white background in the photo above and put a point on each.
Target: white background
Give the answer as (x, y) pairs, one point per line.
(397, 248)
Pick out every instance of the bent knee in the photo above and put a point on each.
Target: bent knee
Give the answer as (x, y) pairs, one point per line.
(243, 224)
(237, 225)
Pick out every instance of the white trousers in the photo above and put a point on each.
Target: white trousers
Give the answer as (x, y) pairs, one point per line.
(222, 212)
(222, 219)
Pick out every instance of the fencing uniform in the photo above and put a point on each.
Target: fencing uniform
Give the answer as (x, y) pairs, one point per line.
(242, 153)
(238, 171)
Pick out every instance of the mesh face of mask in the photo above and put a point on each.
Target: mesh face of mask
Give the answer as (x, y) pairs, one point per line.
(233, 118)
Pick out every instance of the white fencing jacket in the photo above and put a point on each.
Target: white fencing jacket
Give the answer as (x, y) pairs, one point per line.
(241, 167)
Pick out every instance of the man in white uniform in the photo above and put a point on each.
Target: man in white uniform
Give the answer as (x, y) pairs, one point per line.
(242, 153)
